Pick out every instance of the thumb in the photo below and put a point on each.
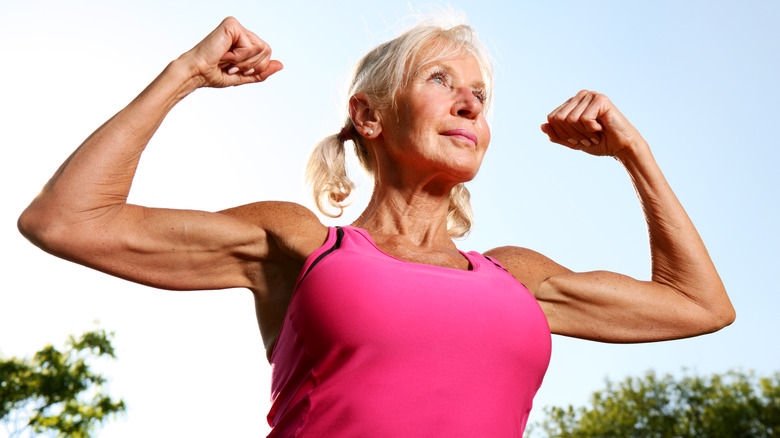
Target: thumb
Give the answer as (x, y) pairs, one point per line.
(253, 76)
(592, 125)
(273, 67)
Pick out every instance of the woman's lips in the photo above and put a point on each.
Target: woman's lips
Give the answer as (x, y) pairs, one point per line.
(463, 134)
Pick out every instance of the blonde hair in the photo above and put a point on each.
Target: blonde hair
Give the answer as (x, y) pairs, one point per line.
(381, 74)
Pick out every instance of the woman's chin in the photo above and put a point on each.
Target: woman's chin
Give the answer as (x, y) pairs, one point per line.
(465, 172)
(463, 175)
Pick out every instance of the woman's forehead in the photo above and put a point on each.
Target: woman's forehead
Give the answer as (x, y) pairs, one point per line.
(438, 49)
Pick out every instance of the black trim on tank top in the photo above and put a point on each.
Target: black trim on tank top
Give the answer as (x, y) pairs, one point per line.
(337, 245)
(495, 262)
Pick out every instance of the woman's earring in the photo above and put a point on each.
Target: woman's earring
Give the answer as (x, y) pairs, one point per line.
(370, 131)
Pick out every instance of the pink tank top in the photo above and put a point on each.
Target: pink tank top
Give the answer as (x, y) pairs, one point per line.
(374, 346)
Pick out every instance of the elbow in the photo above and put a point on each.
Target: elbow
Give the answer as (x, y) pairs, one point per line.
(707, 321)
(722, 315)
(726, 312)
(31, 224)
(65, 233)
(710, 315)
(727, 315)
(719, 321)
(41, 228)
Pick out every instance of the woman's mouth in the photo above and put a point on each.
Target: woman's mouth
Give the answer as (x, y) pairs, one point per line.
(463, 134)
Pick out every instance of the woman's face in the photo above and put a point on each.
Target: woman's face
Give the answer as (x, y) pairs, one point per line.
(438, 129)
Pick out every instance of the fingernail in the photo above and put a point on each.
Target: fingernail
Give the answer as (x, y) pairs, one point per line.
(594, 140)
(249, 72)
(573, 141)
(233, 70)
(585, 142)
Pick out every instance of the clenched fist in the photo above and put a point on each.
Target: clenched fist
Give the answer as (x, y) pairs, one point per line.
(590, 122)
(230, 55)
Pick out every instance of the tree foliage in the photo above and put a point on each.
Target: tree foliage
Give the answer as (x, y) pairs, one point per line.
(734, 404)
(57, 392)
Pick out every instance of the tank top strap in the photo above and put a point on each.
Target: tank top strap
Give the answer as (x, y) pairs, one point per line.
(332, 243)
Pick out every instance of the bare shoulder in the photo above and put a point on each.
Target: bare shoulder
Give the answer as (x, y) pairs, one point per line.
(528, 266)
(294, 229)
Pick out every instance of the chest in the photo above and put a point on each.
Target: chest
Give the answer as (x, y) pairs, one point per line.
(439, 257)
(368, 301)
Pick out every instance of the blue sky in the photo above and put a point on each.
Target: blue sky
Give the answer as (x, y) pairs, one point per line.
(699, 80)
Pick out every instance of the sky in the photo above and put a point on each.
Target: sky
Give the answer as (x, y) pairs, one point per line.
(697, 78)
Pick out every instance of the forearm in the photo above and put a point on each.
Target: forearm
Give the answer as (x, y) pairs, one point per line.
(95, 180)
(679, 257)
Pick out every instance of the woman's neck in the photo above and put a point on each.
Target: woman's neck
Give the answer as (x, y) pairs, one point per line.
(419, 214)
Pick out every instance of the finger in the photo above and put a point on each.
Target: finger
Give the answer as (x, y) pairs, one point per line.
(590, 117)
(575, 119)
(256, 63)
(244, 44)
(273, 67)
(256, 66)
(254, 76)
(251, 59)
(237, 55)
(548, 129)
(555, 132)
(553, 137)
(558, 120)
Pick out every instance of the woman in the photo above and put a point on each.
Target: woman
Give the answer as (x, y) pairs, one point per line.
(384, 328)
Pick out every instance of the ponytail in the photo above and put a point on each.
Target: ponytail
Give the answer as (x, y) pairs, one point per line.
(459, 214)
(326, 173)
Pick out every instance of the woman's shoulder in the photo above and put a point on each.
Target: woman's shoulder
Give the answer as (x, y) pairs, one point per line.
(294, 229)
(528, 266)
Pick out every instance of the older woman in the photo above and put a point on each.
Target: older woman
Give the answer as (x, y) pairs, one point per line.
(384, 328)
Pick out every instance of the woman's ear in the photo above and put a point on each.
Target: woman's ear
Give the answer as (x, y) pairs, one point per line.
(366, 119)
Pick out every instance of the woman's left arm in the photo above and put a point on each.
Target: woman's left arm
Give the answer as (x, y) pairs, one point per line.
(685, 296)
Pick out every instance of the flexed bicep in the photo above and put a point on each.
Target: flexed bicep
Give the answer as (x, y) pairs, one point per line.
(190, 249)
(164, 248)
(609, 307)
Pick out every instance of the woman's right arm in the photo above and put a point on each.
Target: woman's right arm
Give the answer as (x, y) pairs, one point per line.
(82, 215)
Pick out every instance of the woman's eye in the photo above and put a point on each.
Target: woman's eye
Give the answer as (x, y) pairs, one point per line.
(439, 78)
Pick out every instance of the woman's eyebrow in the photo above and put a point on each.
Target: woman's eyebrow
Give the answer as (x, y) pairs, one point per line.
(448, 69)
(436, 65)
(479, 84)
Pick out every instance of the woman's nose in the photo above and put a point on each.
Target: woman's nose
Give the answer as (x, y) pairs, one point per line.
(467, 104)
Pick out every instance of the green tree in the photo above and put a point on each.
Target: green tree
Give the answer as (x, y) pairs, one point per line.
(734, 404)
(57, 392)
